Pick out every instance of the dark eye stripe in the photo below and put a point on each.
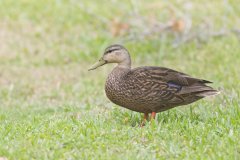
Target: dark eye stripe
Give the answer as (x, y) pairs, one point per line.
(111, 50)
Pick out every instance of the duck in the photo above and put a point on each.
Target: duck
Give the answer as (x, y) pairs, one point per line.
(149, 89)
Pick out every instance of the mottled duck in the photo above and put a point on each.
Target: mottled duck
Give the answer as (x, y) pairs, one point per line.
(149, 89)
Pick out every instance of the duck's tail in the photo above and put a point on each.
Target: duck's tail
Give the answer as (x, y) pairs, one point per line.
(200, 90)
(208, 93)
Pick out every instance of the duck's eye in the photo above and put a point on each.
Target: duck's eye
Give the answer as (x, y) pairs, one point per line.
(111, 50)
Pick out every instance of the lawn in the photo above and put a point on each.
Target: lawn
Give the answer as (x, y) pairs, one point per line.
(51, 107)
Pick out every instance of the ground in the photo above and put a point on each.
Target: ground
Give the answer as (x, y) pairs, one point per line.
(51, 107)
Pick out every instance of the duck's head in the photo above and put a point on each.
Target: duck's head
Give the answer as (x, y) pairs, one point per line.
(114, 54)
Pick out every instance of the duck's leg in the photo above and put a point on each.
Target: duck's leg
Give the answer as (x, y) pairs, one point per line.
(153, 115)
(145, 118)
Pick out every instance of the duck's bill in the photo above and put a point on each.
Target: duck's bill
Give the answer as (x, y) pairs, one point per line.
(101, 62)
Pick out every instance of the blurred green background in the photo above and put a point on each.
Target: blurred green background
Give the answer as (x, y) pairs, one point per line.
(53, 108)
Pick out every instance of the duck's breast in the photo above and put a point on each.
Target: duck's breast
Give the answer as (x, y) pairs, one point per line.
(120, 93)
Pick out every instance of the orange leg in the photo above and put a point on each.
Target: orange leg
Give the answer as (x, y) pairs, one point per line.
(153, 115)
(145, 118)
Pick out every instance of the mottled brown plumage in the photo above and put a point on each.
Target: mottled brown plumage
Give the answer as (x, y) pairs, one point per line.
(149, 89)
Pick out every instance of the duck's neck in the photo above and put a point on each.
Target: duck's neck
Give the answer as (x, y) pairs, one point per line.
(125, 64)
(120, 71)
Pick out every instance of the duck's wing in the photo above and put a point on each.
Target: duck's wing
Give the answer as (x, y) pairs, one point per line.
(170, 86)
(167, 75)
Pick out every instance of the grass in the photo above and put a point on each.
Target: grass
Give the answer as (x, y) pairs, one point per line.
(53, 108)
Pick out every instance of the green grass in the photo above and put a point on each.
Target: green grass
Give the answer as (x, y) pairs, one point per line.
(51, 107)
